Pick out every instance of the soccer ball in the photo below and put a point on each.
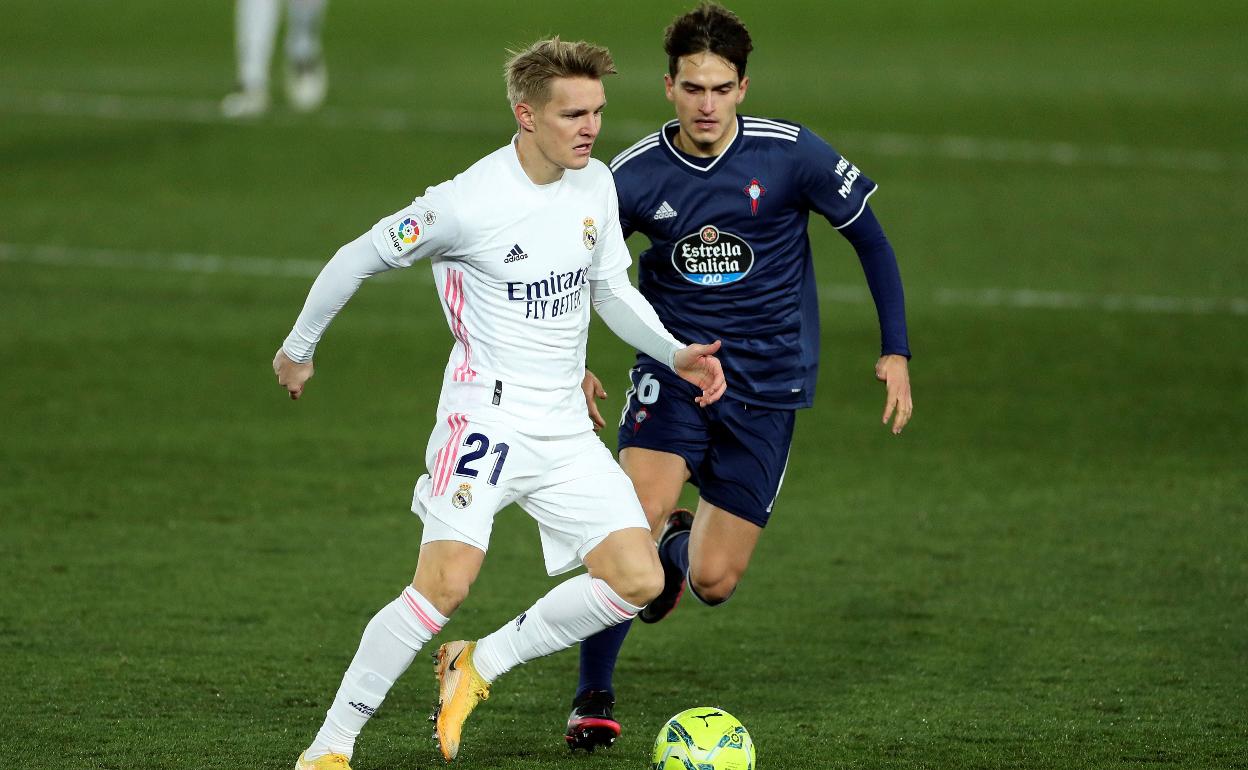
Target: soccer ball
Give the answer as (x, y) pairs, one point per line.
(703, 738)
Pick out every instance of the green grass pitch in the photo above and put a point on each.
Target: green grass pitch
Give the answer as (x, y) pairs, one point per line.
(1049, 569)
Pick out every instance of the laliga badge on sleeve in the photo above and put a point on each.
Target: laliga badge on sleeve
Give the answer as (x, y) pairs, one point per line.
(403, 235)
(462, 497)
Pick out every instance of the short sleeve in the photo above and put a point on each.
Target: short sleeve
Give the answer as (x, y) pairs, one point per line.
(611, 255)
(831, 185)
(428, 227)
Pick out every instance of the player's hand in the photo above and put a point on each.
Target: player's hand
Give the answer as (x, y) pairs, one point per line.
(291, 375)
(894, 372)
(592, 389)
(698, 364)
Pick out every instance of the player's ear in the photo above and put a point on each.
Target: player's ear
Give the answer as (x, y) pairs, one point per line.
(745, 83)
(668, 85)
(525, 116)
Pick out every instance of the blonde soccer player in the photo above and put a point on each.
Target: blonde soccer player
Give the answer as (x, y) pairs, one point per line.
(521, 244)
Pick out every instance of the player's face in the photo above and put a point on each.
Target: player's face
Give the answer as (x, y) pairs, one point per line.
(705, 92)
(567, 125)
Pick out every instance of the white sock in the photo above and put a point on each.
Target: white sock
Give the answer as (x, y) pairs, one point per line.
(390, 643)
(303, 29)
(573, 611)
(255, 29)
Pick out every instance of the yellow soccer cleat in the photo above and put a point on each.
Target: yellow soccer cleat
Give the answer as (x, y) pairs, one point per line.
(460, 689)
(327, 762)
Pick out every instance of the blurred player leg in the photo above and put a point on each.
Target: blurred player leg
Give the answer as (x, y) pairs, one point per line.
(306, 78)
(255, 29)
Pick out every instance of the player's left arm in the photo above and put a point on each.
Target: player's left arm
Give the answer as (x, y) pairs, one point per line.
(632, 319)
(837, 189)
(879, 265)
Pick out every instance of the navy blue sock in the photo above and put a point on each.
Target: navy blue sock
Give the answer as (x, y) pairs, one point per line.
(598, 655)
(675, 552)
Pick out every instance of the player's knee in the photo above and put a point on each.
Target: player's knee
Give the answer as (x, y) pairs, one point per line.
(446, 594)
(639, 586)
(657, 512)
(713, 588)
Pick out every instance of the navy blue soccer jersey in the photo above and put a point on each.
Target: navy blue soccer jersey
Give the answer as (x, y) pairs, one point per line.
(729, 256)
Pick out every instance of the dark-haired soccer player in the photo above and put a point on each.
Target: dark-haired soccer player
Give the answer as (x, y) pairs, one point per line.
(724, 199)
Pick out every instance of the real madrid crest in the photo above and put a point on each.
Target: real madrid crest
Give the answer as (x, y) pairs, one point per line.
(462, 497)
(590, 235)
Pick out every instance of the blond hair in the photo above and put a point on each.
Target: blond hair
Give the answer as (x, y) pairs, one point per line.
(530, 71)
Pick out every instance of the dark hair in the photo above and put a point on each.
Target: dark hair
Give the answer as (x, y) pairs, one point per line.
(709, 27)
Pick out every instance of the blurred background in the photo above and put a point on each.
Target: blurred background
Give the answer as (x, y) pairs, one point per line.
(1049, 568)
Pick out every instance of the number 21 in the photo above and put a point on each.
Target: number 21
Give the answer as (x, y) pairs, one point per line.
(481, 445)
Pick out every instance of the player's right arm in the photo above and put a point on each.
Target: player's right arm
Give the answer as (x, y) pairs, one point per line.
(424, 229)
(336, 284)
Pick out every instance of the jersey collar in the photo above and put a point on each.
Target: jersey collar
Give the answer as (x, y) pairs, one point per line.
(684, 160)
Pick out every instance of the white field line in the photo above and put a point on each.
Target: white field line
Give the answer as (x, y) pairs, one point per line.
(888, 144)
(61, 256)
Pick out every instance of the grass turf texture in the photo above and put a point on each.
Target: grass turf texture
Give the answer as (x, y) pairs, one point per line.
(1048, 570)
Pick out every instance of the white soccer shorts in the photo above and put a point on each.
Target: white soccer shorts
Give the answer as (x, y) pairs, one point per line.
(571, 486)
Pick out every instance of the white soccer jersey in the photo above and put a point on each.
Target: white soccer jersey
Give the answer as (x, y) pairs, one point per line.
(512, 261)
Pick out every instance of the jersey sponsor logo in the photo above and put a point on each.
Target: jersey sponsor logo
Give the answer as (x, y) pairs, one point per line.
(712, 257)
(665, 211)
(462, 497)
(555, 295)
(755, 190)
(403, 235)
(589, 236)
(515, 255)
(849, 173)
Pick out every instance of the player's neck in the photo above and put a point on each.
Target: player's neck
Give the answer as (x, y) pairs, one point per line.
(537, 167)
(685, 143)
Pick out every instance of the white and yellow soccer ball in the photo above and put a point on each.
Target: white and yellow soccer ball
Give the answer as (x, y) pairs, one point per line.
(703, 738)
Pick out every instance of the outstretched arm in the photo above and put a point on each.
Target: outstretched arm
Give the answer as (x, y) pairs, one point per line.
(633, 320)
(337, 283)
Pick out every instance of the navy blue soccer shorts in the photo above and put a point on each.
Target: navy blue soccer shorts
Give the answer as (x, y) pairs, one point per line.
(736, 452)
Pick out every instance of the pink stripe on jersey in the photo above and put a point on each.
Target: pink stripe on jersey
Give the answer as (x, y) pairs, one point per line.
(420, 614)
(455, 299)
(623, 613)
(450, 453)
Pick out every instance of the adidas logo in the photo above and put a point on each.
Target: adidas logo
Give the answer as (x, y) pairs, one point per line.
(516, 254)
(665, 211)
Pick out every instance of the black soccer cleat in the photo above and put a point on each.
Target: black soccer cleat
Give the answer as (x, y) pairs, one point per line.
(679, 521)
(592, 722)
